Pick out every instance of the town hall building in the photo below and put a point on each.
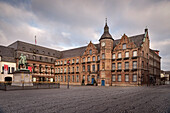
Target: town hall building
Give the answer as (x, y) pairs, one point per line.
(110, 63)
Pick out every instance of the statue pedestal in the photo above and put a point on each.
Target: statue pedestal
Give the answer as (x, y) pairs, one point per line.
(22, 77)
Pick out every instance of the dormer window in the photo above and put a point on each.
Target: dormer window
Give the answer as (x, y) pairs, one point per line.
(124, 46)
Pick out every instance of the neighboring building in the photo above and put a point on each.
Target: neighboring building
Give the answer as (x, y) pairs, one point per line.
(7, 64)
(165, 77)
(154, 66)
(111, 62)
(40, 59)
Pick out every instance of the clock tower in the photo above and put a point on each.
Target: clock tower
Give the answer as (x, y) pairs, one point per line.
(106, 48)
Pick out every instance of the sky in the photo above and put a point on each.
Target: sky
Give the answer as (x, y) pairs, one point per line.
(66, 24)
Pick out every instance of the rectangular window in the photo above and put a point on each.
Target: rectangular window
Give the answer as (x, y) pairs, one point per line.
(72, 61)
(126, 78)
(113, 66)
(88, 67)
(98, 67)
(77, 69)
(98, 58)
(88, 78)
(58, 78)
(77, 78)
(94, 58)
(134, 53)
(58, 70)
(58, 62)
(65, 70)
(134, 78)
(93, 66)
(126, 54)
(65, 78)
(61, 62)
(72, 78)
(124, 46)
(77, 61)
(69, 78)
(88, 59)
(119, 55)
(9, 70)
(119, 78)
(113, 78)
(126, 65)
(119, 66)
(142, 64)
(114, 56)
(83, 59)
(68, 69)
(61, 78)
(61, 70)
(65, 62)
(72, 69)
(13, 69)
(103, 56)
(134, 64)
(90, 52)
(3, 69)
(83, 68)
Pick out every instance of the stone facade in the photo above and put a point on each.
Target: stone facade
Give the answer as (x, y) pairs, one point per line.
(111, 62)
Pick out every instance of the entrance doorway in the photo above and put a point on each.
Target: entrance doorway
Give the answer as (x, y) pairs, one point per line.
(103, 83)
(92, 80)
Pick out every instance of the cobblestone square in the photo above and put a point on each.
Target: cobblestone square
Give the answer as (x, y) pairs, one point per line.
(87, 99)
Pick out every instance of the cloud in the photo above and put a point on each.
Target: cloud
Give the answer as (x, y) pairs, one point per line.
(68, 24)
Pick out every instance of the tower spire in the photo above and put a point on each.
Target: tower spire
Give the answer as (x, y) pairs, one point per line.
(106, 34)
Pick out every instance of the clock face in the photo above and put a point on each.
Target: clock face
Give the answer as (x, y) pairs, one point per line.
(103, 44)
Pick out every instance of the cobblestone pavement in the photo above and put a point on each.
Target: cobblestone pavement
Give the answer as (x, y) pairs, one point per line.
(87, 99)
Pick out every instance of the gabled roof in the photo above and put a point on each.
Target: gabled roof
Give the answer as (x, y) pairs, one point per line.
(138, 40)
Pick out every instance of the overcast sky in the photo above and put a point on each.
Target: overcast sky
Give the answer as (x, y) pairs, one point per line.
(65, 24)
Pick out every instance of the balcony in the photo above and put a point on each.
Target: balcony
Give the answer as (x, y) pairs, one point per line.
(77, 72)
(77, 62)
(83, 62)
(72, 72)
(88, 62)
(98, 61)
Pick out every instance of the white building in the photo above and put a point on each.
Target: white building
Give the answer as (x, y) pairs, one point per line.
(7, 64)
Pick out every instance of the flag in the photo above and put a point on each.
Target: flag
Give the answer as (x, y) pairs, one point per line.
(35, 40)
(68, 62)
(30, 68)
(5, 69)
